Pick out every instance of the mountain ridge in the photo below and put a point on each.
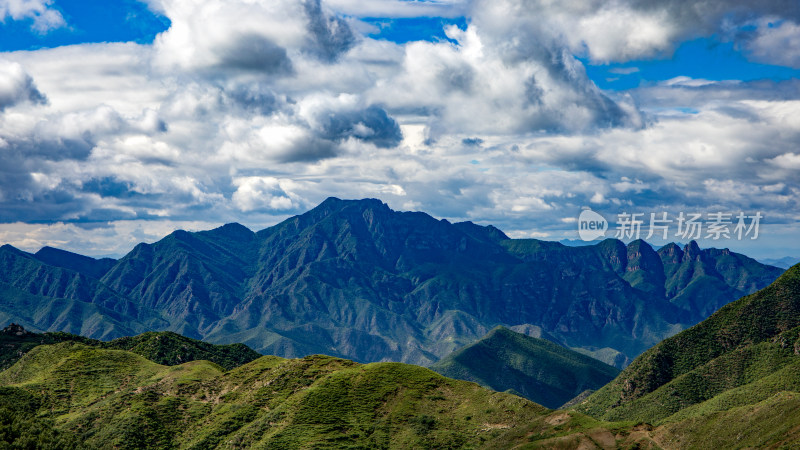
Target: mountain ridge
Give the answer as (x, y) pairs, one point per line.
(355, 279)
(101, 398)
(537, 369)
(743, 354)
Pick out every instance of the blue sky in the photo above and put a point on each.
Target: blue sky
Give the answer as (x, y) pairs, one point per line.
(131, 119)
(87, 22)
(132, 21)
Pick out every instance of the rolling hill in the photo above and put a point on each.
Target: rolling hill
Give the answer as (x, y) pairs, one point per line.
(537, 369)
(165, 347)
(73, 395)
(101, 398)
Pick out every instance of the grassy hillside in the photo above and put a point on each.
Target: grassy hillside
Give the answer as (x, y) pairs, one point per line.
(20, 428)
(163, 348)
(771, 423)
(172, 349)
(72, 395)
(745, 354)
(117, 399)
(536, 369)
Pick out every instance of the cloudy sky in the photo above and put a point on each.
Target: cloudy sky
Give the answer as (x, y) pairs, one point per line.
(122, 121)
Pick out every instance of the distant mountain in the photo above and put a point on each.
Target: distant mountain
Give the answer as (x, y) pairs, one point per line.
(355, 279)
(537, 369)
(783, 263)
(91, 267)
(41, 296)
(79, 396)
(163, 348)
(576, 242)
(743, 360)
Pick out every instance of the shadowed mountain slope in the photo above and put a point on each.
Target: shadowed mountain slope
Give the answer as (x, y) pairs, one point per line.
(536, 369)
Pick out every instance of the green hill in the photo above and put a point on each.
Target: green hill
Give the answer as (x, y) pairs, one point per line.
(117, 399)
(160, 347)
(745, 356)
(536, 369)
(77, 395)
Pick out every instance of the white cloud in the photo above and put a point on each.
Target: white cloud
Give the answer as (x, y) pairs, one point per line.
(44, 17)
(241, 113)
(789, 161)
(254, 193)
(17, 86)
(776, 41)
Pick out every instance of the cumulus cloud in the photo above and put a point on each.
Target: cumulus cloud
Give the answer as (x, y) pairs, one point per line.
(776, 41)
(17, 86)
(254, 36)
(265, 193)
(250, 111)
(329, 35)
(622, 30)
(43, 16)
(345, 116)
(477, 85)
(254, 52)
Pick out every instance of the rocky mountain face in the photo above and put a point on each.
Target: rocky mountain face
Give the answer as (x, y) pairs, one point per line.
(356, 279)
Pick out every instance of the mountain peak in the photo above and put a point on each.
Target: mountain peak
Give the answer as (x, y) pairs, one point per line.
(338, 202)
(47, 251)
(499, 330)
(231, 230)
(638, 243)
(10, 248)
(692, 250)
(86, 265)
(333, 204)
(671, 253)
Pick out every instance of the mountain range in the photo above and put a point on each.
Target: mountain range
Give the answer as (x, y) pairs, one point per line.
(783, 263)
(355, 279)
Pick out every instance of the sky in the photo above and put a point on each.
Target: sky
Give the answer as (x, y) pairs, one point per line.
(123, 121)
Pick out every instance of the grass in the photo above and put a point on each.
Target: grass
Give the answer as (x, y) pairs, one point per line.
(117, 399)
(745, 341)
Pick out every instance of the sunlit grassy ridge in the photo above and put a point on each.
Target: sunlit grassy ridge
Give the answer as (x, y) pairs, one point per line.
(723, 381)
(117, 399)
(161, 347)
